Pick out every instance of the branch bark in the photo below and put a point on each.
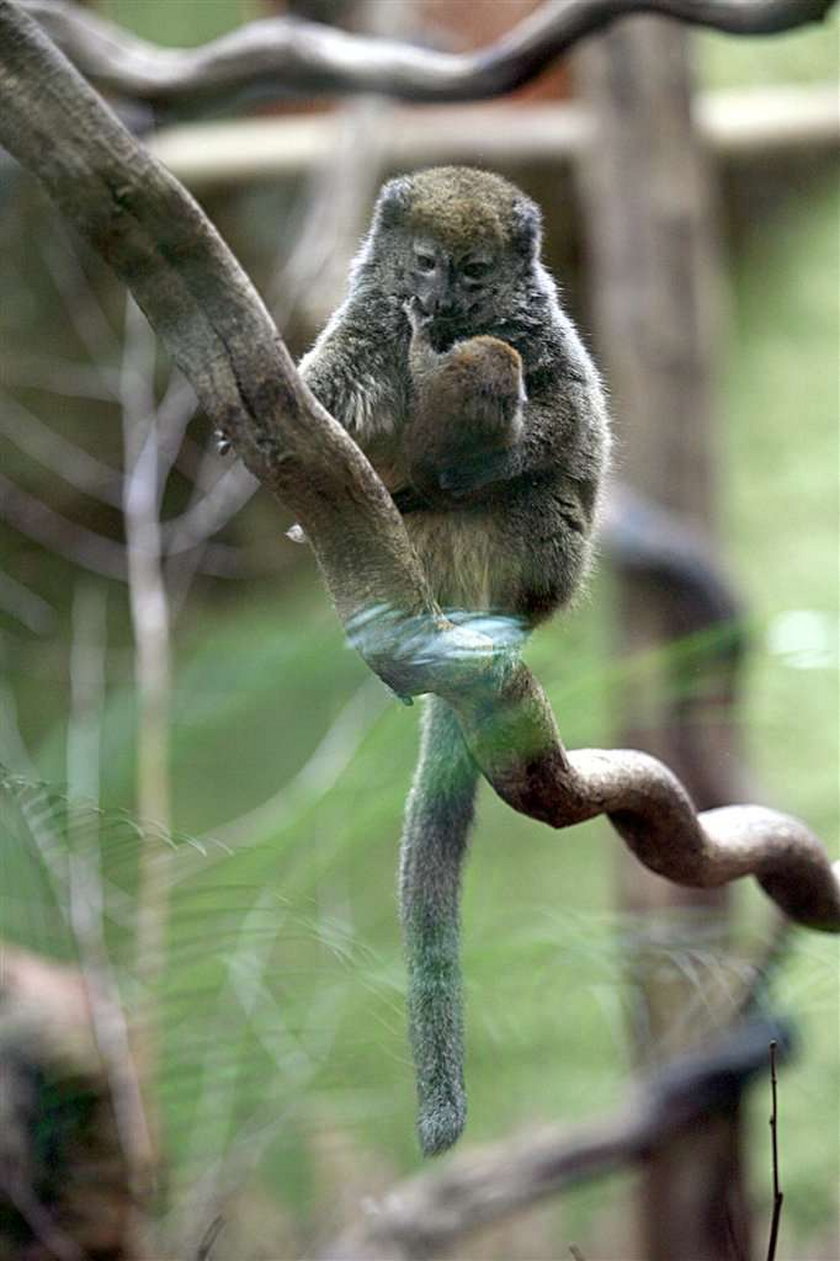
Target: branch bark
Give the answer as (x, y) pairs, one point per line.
(204, 307)
(279, 54)
(426, 1216)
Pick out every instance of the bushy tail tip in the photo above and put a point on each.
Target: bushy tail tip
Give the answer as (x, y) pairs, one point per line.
(441, 1123)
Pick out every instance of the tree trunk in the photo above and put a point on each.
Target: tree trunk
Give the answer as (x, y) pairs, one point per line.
(655, 280)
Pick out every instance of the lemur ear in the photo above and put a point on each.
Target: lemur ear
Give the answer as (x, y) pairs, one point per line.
(527, 227)
(393, 202)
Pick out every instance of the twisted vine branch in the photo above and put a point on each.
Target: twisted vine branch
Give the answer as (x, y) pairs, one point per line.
(279, 54)
(203, 306)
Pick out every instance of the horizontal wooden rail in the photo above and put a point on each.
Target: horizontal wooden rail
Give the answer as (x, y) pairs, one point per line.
(744, 123)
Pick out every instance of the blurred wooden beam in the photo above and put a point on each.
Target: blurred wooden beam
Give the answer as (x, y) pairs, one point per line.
(748, 121)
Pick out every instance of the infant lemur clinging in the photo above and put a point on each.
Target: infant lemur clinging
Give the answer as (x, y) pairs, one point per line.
(453, 254)
(453, 365)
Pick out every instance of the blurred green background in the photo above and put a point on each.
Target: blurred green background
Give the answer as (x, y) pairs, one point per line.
(286, 1080)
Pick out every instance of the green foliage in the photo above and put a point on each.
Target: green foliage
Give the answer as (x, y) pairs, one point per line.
(808, 55)
(180, 25)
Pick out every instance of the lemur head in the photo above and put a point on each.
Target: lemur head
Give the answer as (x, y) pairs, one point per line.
(458, 239)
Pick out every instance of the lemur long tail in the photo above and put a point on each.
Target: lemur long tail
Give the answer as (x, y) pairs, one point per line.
(438, 817)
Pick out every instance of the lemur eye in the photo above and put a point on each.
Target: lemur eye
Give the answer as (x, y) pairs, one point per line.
(425, 262)
(475, 271)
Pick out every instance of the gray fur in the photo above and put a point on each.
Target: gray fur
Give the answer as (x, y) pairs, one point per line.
(438, 816)
(505, 532)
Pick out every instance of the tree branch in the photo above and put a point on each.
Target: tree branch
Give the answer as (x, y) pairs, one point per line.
(25, 606)
(207, 311)
(426, 1216)
(90, 550)
(277, 55)
(50, 448)
(197, 297)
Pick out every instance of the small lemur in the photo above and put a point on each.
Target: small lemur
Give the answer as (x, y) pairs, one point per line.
(453, 365)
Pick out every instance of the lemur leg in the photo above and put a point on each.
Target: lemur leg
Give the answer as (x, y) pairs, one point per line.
(438, 817)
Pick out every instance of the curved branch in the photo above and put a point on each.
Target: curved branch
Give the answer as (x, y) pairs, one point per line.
(644, 801)
(50, 448)
(277, 55)
(207, 311)
(203, 306)
(88, 549)
(25, 606)
(210, 512)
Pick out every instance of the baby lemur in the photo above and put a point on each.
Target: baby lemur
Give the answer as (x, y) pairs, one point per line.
(467, 406)
(454, 367)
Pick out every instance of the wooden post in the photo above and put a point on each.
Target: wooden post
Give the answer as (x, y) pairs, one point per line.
(654, 283)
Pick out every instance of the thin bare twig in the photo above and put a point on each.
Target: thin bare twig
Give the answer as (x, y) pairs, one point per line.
(80, 300)
(50, 448)
(59, 376)
(25, 606)
(174, 412)
(88, 653)
(38, 521)
(778, 1196)
(150, 622)
(186, 537)
(96, 552)
(86, 548)
(209, 1238)
(85, 887)
(211, 511)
